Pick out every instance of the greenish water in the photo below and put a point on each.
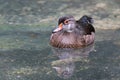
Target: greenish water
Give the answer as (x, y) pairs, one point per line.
(25, 54)
(25, 29)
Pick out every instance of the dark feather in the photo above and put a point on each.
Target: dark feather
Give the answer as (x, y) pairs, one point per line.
(86, 23)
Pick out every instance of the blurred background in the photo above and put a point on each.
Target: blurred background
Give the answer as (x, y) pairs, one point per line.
(25, 28)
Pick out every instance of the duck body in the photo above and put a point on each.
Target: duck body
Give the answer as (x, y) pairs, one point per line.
(73, 33)
(72, 41)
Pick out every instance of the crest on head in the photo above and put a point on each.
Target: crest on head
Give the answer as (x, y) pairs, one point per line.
(64, 18)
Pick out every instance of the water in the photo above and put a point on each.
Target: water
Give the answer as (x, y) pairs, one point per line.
(22, 58)
(25, 53)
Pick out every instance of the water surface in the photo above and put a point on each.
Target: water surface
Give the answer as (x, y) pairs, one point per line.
(25, 53)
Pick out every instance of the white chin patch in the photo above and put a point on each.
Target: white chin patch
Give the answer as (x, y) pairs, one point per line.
(69, 28)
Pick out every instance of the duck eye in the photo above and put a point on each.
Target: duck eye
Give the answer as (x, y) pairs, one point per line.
(66, 21)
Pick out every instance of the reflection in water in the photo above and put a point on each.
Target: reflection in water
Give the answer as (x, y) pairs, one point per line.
(65, 66)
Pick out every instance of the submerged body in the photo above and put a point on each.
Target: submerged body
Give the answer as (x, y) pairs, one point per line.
(72, 41)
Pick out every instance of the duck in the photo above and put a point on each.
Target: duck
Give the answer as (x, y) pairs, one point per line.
(72, 33)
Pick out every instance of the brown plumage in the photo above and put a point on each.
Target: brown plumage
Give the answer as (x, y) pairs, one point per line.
(72, 33)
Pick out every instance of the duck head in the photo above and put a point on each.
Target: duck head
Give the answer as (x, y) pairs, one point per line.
(66, 23)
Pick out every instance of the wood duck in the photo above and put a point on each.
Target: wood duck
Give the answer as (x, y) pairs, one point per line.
(72, 33)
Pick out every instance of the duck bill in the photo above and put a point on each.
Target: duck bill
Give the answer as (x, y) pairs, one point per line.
(59, 28)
